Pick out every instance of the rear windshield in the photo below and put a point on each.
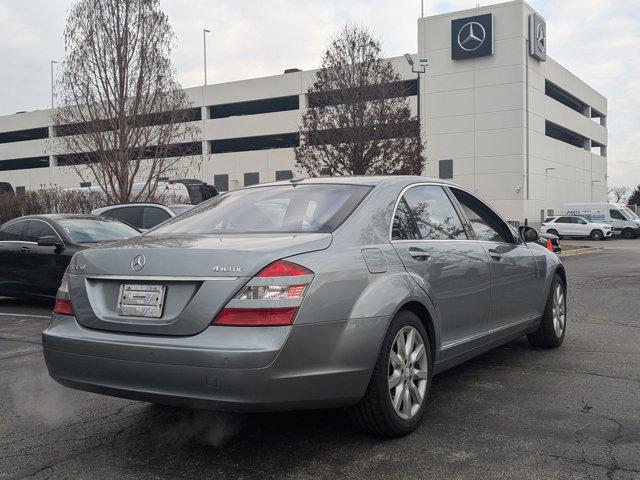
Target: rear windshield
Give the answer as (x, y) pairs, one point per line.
(275, 209)
(93, 230)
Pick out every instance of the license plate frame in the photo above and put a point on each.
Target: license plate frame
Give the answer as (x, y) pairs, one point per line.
(141, 300)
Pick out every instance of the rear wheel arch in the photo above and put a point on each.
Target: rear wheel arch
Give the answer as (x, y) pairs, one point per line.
(563, 276)
(425, 317)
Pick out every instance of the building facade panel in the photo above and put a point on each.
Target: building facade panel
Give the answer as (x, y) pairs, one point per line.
(526, 135)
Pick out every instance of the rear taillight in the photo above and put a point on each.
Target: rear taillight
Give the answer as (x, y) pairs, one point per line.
(270, 298)
(543, 224)
(63, 304)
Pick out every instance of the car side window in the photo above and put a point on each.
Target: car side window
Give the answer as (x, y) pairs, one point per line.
(153, 216)
(403, 226)
(616, 215)
(434, 214)
(485, 223)
(36, 229)
(564, 220)
(129, 215)
(581, 221)
(13, 232)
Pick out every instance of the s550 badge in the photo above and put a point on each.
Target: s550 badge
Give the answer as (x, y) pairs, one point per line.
(218, 268)
(77, 267)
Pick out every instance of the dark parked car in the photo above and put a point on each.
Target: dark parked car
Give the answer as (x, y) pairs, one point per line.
(143, 215)
(550, 242)
(35, 250)
(5, 187)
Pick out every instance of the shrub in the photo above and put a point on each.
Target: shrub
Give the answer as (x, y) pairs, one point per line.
(47, 200)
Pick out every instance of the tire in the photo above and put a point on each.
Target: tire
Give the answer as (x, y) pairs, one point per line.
(375, 412)
(596, 235)
(550, 333)
(553, 232)
(628, 234)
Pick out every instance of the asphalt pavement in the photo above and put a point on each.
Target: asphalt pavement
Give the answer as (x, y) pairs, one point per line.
(513, 413)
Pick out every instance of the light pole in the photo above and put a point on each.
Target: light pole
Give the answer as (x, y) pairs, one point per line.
(424, 63)
(422, 9)
(546, 181)
(204, 43)
(593, 182)
(52, 62)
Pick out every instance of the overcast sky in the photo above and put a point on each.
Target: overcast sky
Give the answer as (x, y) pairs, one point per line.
(599, 40)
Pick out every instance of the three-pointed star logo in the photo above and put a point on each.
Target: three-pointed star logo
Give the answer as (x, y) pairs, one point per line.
(541, 37)
(137, 263)
(471, 36)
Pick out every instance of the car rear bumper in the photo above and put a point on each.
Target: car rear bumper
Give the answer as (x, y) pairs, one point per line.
(243, 369)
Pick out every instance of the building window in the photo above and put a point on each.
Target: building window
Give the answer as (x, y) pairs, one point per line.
(172, 151)
(564, 97)
(550, 213)
(407, 88)
(542, 215)
(564, 135)
(221, 182)
(445, 169)
(284, 175)
(20, 190)
(150, 119)
(24, 163)
(85, 184)
(251, 178)
(24, 135)
(262, 142)
(255, 107)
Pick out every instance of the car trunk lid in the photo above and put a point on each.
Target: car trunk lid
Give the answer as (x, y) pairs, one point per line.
(192, 277)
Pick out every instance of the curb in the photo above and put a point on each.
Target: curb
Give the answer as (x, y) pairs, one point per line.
(581, 251)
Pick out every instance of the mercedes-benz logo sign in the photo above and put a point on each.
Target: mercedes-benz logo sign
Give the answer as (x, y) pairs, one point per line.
(541, 37)
(137, 263)
(471, 36)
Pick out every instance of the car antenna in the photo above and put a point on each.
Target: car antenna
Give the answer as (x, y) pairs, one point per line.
(295, 180)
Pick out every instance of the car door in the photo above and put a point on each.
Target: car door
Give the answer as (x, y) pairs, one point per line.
(515, 276)
(46, 264)
(453, 269)
(13, 252)
(564, 226)
(581, 227)
(153, 216)
(618, 220)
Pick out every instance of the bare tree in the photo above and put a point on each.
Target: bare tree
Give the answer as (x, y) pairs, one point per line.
(618, 194)
(122, 117)
(359, 121)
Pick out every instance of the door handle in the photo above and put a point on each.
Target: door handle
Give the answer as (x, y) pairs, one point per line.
(495, 255)
(419, 254)
(25, 250)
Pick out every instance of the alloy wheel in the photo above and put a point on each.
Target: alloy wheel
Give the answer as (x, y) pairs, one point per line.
(408, 372)
(559, 310)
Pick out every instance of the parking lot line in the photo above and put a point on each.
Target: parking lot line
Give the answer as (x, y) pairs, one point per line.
(23, 315)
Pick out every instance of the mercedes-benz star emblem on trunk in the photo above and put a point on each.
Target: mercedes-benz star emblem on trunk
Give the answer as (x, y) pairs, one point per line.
(137, 263)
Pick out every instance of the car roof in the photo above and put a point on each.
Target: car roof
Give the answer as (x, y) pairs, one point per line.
(56, 216)
(133, 204)
(357, 180)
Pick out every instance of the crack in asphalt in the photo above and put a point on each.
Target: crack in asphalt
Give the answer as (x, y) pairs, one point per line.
(557, 372)
(19, 340)
(17, 355)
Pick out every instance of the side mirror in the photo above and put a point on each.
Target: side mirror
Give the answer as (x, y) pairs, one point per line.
(50, 241)
(528, 234)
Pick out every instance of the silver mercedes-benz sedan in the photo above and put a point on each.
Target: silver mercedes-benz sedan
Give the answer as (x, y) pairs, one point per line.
(327, 292)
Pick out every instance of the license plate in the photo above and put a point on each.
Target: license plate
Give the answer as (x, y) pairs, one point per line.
(141, 300)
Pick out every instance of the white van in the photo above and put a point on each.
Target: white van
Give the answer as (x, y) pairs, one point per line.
(623, 220)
